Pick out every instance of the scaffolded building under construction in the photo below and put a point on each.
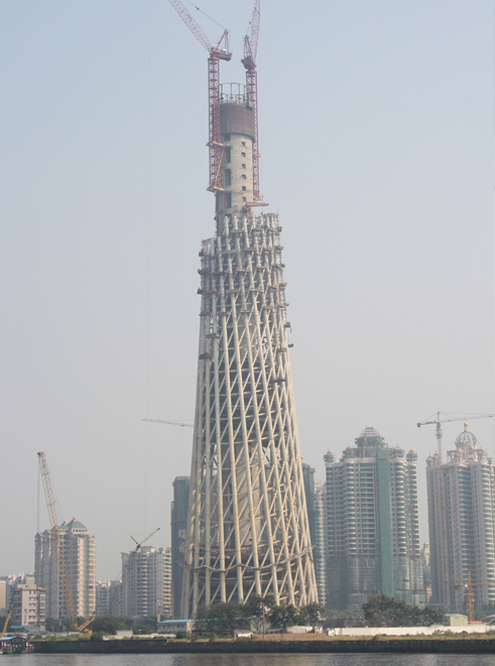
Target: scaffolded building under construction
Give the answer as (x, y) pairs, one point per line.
(247, 530)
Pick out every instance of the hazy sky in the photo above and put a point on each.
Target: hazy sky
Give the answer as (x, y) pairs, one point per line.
(376, 130)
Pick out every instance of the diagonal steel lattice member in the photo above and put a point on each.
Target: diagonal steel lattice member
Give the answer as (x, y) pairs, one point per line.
(247, 532)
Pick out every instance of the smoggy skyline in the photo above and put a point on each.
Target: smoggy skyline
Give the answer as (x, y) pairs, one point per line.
(376, 134)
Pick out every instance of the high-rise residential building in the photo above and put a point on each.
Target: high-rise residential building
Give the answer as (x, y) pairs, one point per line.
(372, 532)
(461, 513)
(314, 496)
(309, 491)
(148, 589)
(28, 608)
(425, 558)
(79, 549)
(29, 602)
(104, 595)
(3, 595)
(178, 525)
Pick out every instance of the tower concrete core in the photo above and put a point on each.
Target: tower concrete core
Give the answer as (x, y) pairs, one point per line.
(247, 529)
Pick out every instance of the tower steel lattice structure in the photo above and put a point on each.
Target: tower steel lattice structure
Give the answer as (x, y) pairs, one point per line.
(247, 529)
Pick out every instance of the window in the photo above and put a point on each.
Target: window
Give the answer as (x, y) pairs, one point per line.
(244, 198)
(228, 200)
(227, 176)
(243, 176)
(243, 143)
(226, 137)
(243, 188)
(243, 154)
(228, 157)
(243, 166)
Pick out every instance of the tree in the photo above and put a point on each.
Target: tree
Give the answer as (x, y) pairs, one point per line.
(284, 617)
(430, 615)
(107, 624)
(221, 618)
(311, 614)
(258, 610)
(383, 611)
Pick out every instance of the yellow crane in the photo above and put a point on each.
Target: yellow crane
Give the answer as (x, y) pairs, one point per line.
(7, 619)
(62, 565)
(469, 595)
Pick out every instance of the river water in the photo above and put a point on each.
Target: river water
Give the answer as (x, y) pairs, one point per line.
(251, 660)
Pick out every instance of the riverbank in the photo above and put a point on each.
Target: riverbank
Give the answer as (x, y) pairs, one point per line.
(421, 645)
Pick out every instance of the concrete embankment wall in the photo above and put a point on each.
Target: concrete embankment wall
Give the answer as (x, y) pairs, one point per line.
(415, 645)
(409, 631)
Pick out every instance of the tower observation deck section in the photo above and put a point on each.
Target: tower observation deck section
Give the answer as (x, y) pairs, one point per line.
(247, 531)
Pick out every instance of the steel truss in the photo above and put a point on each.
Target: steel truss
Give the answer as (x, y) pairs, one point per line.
(247, 532)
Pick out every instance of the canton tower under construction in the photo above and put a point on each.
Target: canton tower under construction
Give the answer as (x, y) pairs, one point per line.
(247, 529)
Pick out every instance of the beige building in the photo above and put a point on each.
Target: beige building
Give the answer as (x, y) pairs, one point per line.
(3, 595)
(148, 590)
(105, 593)
(28, 607)
(79, 548)
(461, 513)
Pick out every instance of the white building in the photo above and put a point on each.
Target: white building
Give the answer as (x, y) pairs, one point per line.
(3, 595)
(28, 608)
(104, 596)
(148, 588)
(461, 512)
(79, 549)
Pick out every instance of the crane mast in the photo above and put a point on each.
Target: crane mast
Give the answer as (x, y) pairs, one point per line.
(54, 524)
(217, 53)
(249, 62)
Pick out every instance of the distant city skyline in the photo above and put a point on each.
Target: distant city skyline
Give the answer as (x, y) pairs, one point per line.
(376, 142)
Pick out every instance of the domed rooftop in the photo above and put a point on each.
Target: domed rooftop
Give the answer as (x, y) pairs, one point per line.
(465, 437)
(370, 432)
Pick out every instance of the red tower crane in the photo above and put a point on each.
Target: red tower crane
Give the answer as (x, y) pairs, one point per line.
(249, 62)
(217, 53)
